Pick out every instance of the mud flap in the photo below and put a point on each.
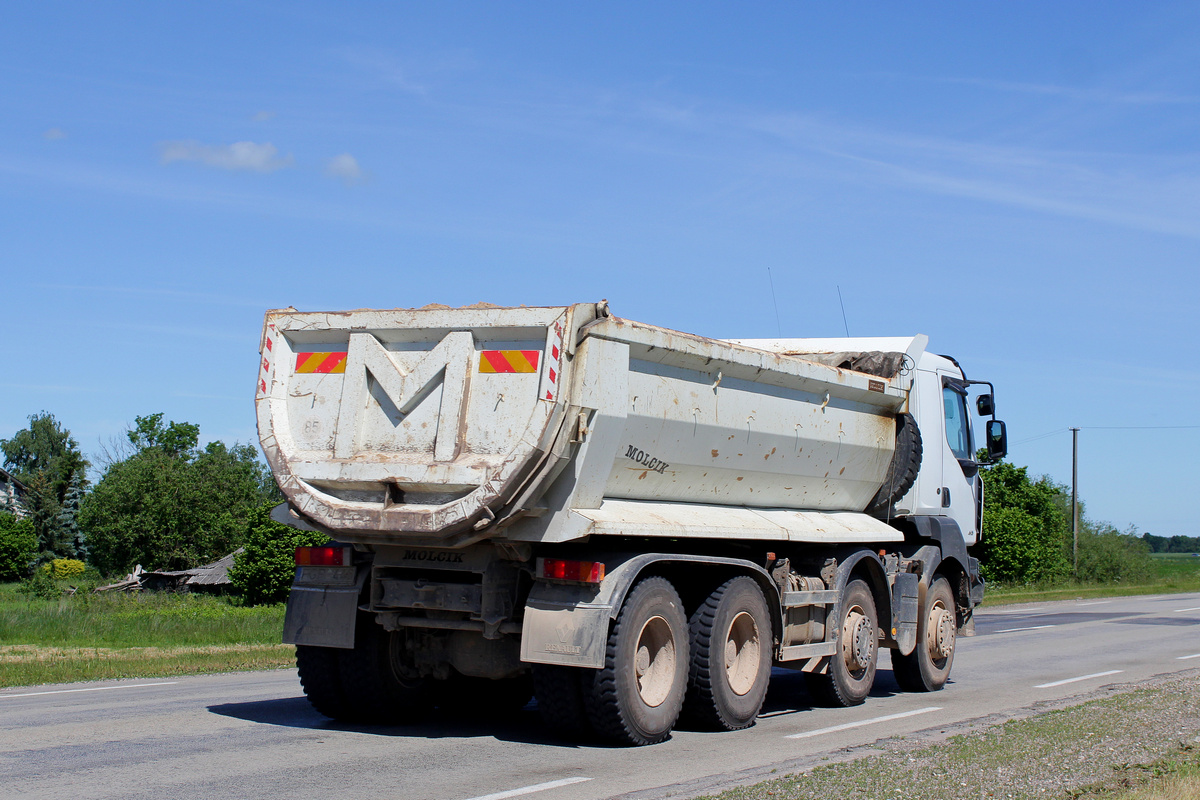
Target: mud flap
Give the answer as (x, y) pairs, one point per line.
(323, 616)
(906, 591)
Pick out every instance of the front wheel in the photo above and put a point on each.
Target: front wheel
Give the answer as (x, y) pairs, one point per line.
(927, 667)
(852, 667)
(636, 696)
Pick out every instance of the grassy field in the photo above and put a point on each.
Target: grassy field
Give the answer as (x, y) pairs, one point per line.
(94, 637)
(1172, 572)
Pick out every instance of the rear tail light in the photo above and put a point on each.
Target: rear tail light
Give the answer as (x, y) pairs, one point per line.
(325, 556)
(557, 569)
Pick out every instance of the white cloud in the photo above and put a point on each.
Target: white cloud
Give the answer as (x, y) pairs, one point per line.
(264, 116)
(345, 168)
(54, 134)
(250, 156)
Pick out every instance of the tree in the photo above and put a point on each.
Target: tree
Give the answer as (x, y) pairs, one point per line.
(18, 547)
(177, 439)
(263, 571)
(1024, 526)
(1027, 535)
(170, 505)
(47, 459)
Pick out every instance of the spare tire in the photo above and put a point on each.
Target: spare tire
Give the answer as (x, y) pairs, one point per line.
(902, 472)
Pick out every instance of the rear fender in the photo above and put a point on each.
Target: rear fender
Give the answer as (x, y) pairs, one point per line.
(568, 624)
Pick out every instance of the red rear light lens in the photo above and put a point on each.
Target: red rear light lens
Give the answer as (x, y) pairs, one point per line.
(557, 569)
(326, 556)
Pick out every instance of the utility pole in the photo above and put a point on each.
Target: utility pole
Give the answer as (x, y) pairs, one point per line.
(1075, 496)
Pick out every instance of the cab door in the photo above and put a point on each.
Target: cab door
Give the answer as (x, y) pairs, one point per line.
(957, 494)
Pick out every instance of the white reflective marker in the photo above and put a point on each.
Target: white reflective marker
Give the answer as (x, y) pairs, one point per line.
(1182, 610)
(538, 787)
(1080, 678)
(862, 722)
(89, 689)
(1193, 655)
(1030, 628)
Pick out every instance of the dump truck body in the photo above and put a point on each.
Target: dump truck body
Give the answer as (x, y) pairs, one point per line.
(513, 481)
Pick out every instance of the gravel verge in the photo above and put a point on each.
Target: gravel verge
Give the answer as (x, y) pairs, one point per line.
(1053, 749)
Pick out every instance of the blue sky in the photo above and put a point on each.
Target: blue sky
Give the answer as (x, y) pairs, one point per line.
(1019, 181)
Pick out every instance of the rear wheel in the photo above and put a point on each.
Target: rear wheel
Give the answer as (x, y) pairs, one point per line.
(731, 649)
(318, 668)
(927, 667)
(635, 698)
(378, 682)
(851, 670)
(559, 693)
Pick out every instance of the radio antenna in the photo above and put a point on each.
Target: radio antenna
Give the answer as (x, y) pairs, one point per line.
(843, 305)
(778, 324)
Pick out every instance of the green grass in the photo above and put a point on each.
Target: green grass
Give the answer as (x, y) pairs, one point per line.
(91, 637)
(1170, 573)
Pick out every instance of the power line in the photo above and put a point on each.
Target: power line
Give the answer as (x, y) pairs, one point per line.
(1138, 427)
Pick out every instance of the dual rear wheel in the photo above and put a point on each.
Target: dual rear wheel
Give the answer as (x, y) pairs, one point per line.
(713, 669)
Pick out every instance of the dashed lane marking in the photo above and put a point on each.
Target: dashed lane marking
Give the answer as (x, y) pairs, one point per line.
(1076, 680)
(1182, 610)
(524, 790)
(1193, 655)
(89, 689)
(862, 722)
(1030, 628)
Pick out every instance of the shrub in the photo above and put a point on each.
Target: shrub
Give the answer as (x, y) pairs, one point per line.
(1018, 548)
(63, 569)
(263, 571)
(1107, 556)
(42, 584)
(18, 547)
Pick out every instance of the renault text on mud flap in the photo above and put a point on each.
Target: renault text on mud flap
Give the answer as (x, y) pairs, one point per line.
(644, 459)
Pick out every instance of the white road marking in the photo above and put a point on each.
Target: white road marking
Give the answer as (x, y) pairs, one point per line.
(538, 787)
(1097, 603)
(1193, 655)
(1018, 611)
(863, 722)
(1030, 628)
(89, 689)
(1181, 610)
(1080, 678)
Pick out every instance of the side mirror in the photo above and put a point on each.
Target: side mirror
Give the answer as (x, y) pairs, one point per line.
(985, 404)
(997, 440)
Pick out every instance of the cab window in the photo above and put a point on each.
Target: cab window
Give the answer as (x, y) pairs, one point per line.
(958, 426)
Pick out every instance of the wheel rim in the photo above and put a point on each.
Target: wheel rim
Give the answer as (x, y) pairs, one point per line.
(742, 654)
(940, 632)
(654, 661)
(858, 641)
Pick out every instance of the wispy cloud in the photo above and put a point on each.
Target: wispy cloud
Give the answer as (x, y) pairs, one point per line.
(244, 156)
(54, 134)
(263, 116)
(219, 299)
(345, 168)
(415, 74)
(1091, 94)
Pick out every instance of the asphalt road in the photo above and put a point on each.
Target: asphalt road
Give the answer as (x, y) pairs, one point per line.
(253, 735)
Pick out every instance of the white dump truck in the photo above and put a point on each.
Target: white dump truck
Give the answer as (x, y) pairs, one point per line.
(630, 523)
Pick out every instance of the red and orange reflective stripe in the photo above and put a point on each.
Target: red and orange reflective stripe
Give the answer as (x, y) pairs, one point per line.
(508, 360)
(323, 363)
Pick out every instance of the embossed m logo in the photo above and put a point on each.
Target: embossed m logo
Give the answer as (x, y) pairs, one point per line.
(373, 376)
